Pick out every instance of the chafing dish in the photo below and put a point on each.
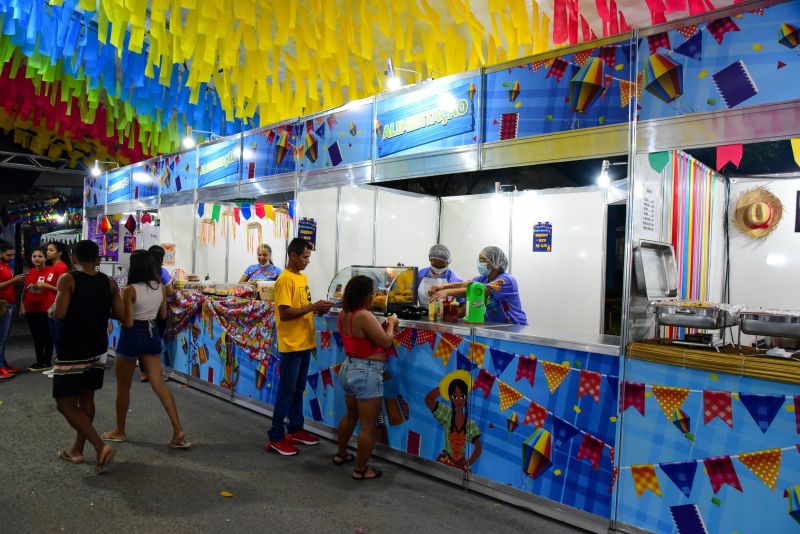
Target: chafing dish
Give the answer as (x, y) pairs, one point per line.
(772, 323)
(693, 314)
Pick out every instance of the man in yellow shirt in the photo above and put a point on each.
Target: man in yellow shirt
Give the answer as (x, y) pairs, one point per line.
(294, 322)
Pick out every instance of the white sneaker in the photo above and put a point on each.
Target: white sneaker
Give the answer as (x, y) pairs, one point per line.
(48, 373)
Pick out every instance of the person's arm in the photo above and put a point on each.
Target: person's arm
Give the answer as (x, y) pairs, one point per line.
(66, 285)
(445, 287)
(457, 292)
(12, 281)
(245, 277)
(432, 398)
(128, 298)
(283, 300)
(22, 309)
(373, 330)
(477, 449)
(169, 289)
(117, 308)
(45, 285)
(162, 310)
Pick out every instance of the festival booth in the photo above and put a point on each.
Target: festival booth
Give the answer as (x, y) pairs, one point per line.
(549, 425)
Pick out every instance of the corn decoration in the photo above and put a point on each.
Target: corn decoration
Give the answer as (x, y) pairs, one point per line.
(228, 223)
(282, 223)
(208, 232)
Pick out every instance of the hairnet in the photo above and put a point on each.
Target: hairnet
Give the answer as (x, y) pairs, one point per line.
(439, 252)
(497, 258)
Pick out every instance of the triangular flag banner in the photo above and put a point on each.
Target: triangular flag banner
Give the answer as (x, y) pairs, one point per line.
(687, 519)
(720, 472)
(426, 336)
(670, 398)
(336, 368)
(563, 431)
(462, 361)
(589, 385)
(453, 339)
(557, 69)
(591, 449)
(536, 415)
(781, 64)
(500, 360)
(484, 382)
(718, 28)
(764, 464)
(215, 211)
(555, 374)
(797, 412)
(246, 213)
(639, 84)
(327, 379)
(325, 339)
(526, 368)
(259, 210)
(477, 352)
(237, 215)
(717, 404)
(613, 384)
(681, 474)
(582, 56)
(659, 40)
(625, 93)
(608, 54)
(508, 396)
(405, 338)
(688, 31)
(444, 351)
(201, 209)
(644, 478)
(658, 160)
(795, 143)
(729, 153)
(537, 65)
(632, 395)
(691, 47)
(313, 380)
(762, 408)
(337, 337)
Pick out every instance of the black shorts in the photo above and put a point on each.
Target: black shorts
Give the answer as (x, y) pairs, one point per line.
(72, 385)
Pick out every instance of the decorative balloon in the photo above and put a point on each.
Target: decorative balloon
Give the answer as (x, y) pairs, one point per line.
(586, 85)
(789, 35)
(536, 451)
(663, 78)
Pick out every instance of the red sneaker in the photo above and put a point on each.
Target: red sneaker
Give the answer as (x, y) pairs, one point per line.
(304, 437)
(5, 374)
(284, 448)
(12, 369)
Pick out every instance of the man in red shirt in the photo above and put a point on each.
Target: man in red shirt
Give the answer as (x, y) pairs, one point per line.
(8, 294)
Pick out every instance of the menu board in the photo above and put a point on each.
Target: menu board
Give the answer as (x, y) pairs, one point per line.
(108, 243)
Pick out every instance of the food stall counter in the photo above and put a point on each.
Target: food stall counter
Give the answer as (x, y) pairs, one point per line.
(596, 343)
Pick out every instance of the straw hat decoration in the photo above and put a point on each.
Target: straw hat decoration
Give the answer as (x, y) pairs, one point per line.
(757, 212)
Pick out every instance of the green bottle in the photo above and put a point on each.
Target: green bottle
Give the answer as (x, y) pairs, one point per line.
(476, 303)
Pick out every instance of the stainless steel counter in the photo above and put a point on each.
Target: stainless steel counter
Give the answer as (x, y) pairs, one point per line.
(599, 344)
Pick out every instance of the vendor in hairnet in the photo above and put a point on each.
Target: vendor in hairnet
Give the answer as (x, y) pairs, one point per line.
(438, 273)
(503, 304)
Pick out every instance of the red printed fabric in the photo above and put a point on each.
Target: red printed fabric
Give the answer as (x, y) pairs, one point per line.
(590, 385)
(183, 306)
(250, 323)
(717, 404)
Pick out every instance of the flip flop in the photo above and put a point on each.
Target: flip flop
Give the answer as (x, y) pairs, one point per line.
(107, 436)
(101, 468)
(180, 444)
(363, 473)
(341, 459)
(64, 455)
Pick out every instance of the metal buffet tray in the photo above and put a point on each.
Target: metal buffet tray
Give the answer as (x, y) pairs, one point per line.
(687, 315)
(771, 323)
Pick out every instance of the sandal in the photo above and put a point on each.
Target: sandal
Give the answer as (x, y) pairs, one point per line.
(363, 474)
(180, 444)
(341, 459)
(64, 455)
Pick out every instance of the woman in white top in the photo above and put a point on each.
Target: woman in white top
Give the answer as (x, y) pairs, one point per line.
(143, 299)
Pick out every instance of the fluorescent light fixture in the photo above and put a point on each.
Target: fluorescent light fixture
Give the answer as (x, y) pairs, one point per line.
(447, 102)
(188, 142)
(96, 169)
(604, 179)
(394, 83)
(142, 177)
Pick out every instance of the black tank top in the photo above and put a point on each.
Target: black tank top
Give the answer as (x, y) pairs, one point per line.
(83, 333)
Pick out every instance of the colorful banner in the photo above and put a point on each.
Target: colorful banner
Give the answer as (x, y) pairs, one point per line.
(118, 185)
(218, 163)
(338, 138)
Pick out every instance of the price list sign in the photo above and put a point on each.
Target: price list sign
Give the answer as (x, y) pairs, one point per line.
(543, 237)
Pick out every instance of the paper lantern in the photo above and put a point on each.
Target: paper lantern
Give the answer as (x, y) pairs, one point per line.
(789, 35)
(586, 86)
(663, 78)
(536, 452)
(512, 422)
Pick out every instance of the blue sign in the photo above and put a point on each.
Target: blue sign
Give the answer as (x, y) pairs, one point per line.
(219, 163)
(446, 113)
(307, 229)
(145, 180)
(119, 185)
(543, 237)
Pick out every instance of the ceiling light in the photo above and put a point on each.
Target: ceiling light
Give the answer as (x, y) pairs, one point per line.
(447, 102)
(96, 169)
(604, 179)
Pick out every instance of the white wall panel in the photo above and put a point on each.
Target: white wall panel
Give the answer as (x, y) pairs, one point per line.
(356, 225)
(406, 226)
(320, 204)
(210, 256)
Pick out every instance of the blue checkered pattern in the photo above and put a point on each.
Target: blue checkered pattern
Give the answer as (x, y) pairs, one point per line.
(353, 148)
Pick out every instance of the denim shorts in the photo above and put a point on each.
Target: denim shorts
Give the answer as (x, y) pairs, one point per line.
(142, 338)
(362, 378)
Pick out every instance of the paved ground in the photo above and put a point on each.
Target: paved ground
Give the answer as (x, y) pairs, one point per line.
(151, 488)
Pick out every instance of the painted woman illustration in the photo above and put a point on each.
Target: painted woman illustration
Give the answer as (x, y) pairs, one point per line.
(459, 428)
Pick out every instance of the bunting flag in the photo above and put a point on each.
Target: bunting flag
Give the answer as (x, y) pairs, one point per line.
(555, 374)
(591, 449)
(325, 339)
(477, 352)
(462, 361)
(764, 464)
(762, 408)
(259, 210)
(336, 368)
(444, 351)
(691, 47)
(201, 209)
(688, 31)
(508, 396)
(536, 415)
(500, 360)
(327, 379)
(720, 472)
(582, 56)
(215, 212)
(405, 338)
(659, 40)
(558, 68)
(246, 212)
(608, 54)
(313, 380)
(537, 65)
(526, 368)
(426, 336)
(670, 398)
(589, 384)
(718, 28)
(681, 474)
(563, 431)
(632, 395)
(613, 384)
(316, 409)
(337, 338)
(625, 93)
(453, 339)
(717, 404)
(644, 478)
(484, 382)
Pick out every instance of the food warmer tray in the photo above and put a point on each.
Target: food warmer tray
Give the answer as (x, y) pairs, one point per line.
(693, 314)
(772, 323)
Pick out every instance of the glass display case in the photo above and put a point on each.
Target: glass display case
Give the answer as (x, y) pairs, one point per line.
(396, 286)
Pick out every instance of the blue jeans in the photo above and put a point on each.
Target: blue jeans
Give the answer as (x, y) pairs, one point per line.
(53, 325)
(5, 326)
(291, 385)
